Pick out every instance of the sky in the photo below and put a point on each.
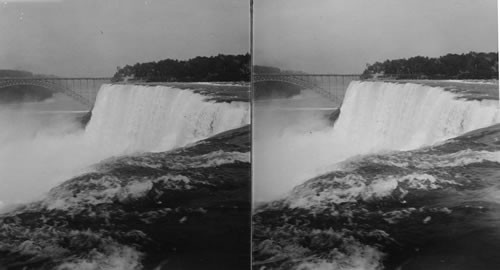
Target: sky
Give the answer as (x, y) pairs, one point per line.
(342, 36)
(92, 37)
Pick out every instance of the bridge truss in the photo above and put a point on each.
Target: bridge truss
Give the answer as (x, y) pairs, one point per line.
(83, 90)
(332, 86)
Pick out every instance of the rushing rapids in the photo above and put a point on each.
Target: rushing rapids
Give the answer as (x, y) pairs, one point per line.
(415, 186)
(173, 190)
(390, 116)
(375, 117)
(128, 118)
(125, 119)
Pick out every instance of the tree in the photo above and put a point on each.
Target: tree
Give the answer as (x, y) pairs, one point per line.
(450, 66)
(201, 68)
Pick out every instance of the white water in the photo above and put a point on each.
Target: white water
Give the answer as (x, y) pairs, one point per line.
(375, 117)
(390, 116)
(128, 118)
(35, 155)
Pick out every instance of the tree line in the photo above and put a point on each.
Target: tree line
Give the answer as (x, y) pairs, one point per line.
(199, 69)
(472, 65)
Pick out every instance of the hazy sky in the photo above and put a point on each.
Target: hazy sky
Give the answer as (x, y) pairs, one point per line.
(92, 37)
(341, 36)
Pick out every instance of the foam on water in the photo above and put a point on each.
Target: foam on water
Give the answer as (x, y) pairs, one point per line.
(389, 116)
(143, 118)
(360, 257)
(36, 155)
(375, 117)
(119, 258)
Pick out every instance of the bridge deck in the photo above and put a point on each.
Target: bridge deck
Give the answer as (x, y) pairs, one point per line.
(83, 89)
(332, 86)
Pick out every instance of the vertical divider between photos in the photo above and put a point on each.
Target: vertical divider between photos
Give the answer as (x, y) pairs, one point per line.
(252, 98)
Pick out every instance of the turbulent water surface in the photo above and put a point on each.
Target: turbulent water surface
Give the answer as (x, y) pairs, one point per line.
(159, 177)
(407, 178)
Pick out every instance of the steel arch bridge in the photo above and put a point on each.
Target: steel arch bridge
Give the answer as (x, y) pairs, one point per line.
(332, 86)
(83, 90)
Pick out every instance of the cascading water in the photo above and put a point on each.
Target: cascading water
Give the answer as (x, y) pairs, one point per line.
(125, 119)
(375, 116)
(406, 179)
(128, 118)
(393, 116)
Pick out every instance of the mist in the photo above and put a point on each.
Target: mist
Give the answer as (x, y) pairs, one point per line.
(37, 151)
(288, 134)
(294, 141)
